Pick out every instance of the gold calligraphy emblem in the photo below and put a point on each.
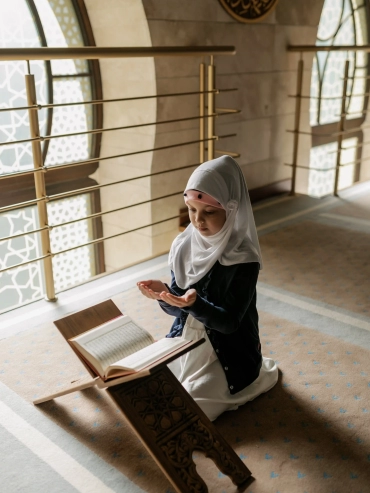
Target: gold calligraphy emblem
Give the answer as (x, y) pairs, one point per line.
(248, 10)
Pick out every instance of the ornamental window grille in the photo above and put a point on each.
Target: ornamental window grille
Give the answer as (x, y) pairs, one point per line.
(342, 22)
(57, 23)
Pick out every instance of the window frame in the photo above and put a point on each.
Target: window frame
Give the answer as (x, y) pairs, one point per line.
(17, 189)
(321, 133)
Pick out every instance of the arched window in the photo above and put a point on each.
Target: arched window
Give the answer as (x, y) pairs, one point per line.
(57, 23)
(343, 22)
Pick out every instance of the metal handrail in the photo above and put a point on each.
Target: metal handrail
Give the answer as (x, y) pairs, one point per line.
(208, 112)
(27, 203)
(89, 216)
(92, 242)
(97, 160)
(115, 100)
(58, 196)
(329, 98)
(94, 53)
(42, 138)
(360, 144)
(333, 134)
(342, 165)
(313, 48)
(98, 187)
(106, 158)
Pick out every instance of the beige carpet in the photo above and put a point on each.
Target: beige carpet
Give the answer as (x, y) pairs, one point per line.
(310, 433)
(322, 262)
(358, 208)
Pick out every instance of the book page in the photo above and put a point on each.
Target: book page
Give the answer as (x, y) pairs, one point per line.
(114, 340)
(150, 354)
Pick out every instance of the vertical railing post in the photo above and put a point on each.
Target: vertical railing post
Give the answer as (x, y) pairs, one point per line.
(202, 121)
(211, 109)
(40, 186)
(341, 126)
(297, 119)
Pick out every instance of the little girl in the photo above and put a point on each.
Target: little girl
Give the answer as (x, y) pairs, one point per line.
(214, 265)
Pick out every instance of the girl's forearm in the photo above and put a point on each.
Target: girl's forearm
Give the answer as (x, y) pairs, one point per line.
(214, 317)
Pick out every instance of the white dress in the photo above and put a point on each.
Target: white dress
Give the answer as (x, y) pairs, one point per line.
(201, 373)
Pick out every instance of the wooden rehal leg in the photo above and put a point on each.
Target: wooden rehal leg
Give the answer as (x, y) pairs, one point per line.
(172, 426)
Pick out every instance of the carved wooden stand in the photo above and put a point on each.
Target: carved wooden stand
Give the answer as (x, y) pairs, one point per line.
(164, 416)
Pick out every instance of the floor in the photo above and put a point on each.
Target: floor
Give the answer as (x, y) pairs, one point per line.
(313, 295)
(270, 215)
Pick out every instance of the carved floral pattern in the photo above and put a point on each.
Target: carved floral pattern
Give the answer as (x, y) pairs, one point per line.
(197, 436)
(160, 404)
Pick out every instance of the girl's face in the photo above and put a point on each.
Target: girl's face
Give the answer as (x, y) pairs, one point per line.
(206, 219)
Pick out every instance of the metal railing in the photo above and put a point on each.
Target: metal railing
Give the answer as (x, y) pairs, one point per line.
(342, 131)
(207, 115)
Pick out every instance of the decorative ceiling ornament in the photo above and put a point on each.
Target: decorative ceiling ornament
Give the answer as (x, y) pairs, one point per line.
(248, 10)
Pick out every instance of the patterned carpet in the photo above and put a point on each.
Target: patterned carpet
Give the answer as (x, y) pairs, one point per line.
(309, 434)
(358, 209)
(319, 261)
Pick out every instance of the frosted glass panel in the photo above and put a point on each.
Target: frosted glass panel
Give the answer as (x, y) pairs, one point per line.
(323, 160)
(77, 265)
(321, 183)
(17, 30)
(25, 284)
(342, 22)
(22, 284)
(70, 119)
(71, 84)
(61, 29)
(348, 157)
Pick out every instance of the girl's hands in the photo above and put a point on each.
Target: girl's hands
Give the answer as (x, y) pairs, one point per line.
(152, 288)
(157, 290)
(187, 299)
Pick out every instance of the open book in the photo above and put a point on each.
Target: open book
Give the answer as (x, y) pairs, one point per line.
(120, 347)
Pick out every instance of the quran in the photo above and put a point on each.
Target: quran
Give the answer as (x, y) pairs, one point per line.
(120, 347)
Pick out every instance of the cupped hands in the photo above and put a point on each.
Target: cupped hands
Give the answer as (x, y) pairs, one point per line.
(157, 290)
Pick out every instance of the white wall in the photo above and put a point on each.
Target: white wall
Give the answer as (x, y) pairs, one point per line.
(263, 70)
(123, 23)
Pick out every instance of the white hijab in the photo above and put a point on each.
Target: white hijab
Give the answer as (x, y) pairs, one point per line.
(193, 255)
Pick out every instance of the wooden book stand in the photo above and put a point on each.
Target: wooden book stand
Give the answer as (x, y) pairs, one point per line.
(160, 411)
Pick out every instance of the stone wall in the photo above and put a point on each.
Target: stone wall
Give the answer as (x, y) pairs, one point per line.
(123, 23)
(263, 71)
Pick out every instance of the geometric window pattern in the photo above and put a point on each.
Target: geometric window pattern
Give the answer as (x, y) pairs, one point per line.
(72, 267)
(70, 119)
(70, 83)
(321, 183)
(17, 30)
(61, 29)
(25, 284)
(342, 22)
